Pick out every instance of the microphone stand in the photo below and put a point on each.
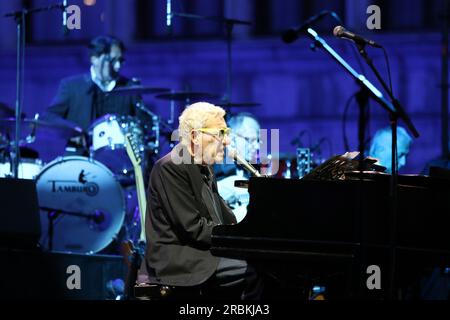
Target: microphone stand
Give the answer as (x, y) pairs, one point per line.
(19, 17)
(367, 90)
(229, 25)
(52, 214)
(393, 194)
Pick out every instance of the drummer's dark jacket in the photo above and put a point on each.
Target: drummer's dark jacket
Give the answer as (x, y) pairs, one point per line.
(81, 101)
(179, 223)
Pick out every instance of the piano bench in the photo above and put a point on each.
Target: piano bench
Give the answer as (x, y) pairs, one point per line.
(152, 291)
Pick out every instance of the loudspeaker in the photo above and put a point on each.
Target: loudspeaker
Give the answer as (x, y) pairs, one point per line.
(20, 225)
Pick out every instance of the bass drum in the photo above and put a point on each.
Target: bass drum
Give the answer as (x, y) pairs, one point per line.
(90, 200)
(28, 168)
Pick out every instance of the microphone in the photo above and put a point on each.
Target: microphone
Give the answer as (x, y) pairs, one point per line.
(341, 32)
(237, 158)
(98, 217)
(318, 144)
(292, 34)
(297, 141)
(169, 15)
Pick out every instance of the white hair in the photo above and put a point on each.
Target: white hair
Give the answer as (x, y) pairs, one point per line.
(238, 121)
(383, 138)
(196, 116)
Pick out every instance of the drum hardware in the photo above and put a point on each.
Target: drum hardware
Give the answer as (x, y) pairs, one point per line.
(6, 111)
(57, 126)
(97, 218)
(3, 142)
(28, 168)
(172, 112)
(73, 219)
(229, 25)
(137, 90)
(187, 96)
(19, 17)
(108, 140)
(86, 203)
(238, 104)
(32, 136)
(36, 125)
(155, 125)
(159, 125)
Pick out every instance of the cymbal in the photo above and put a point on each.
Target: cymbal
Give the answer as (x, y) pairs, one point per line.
(238, 104)
(186, 95)
(135, 90)
(6, 111)
(61, 126)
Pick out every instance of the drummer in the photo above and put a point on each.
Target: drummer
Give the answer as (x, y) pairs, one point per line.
(84, 98)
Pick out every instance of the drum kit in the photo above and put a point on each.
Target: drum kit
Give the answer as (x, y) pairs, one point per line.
(88, 202)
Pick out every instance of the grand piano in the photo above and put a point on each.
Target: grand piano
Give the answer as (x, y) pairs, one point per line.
(312, 232)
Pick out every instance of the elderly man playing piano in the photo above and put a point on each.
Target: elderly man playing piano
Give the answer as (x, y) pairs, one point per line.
(184, 206)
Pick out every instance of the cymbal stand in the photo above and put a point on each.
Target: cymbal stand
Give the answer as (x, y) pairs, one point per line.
(19, 17)
(229, 25)
(155, 122)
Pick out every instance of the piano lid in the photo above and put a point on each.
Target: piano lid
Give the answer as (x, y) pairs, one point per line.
(288, 211)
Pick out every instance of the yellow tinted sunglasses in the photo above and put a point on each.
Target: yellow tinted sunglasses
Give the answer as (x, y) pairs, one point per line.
(221, 133)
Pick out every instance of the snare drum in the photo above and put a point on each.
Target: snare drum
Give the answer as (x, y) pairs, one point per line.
(108, 140)
(28, 168)
(91, 201)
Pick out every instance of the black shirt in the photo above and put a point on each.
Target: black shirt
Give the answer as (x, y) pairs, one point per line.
(210, 193)
(181, 216)
(81, 101)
